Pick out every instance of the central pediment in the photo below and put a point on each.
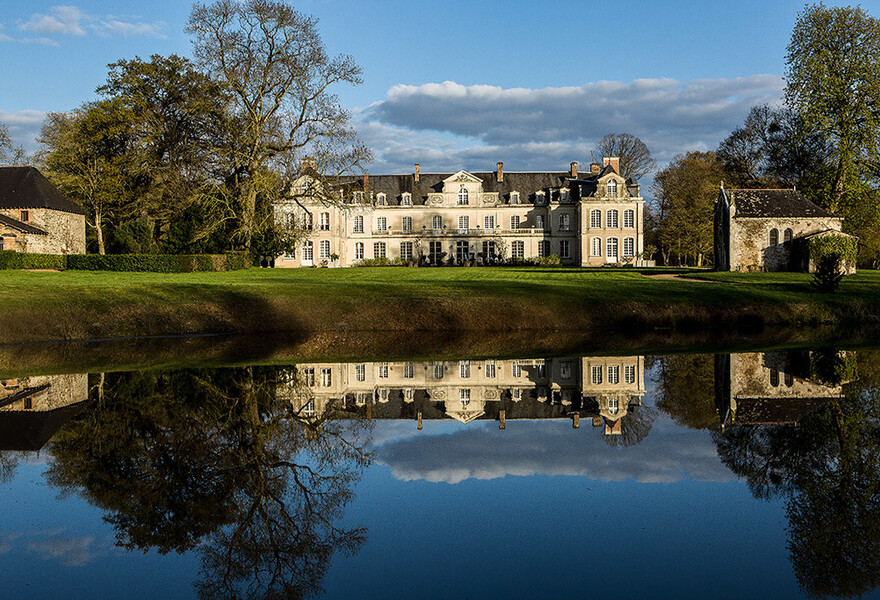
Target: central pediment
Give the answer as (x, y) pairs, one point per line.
(462, 177)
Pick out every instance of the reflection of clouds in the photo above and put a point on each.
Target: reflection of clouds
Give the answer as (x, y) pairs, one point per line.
(52, 544)
(525, 448)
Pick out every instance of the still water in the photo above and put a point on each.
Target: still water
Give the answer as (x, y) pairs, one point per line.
(680, 476)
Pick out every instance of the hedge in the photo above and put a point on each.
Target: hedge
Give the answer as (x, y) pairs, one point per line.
(845, 247)
(158, 263)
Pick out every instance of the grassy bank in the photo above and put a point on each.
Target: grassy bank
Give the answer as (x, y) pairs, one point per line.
(41, 306)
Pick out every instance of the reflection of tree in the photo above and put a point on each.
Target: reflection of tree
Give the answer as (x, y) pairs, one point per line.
(634, 426)
(686, 389)
(8, 463)
(213, 459)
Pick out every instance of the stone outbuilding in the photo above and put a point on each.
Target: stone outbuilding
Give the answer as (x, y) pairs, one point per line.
(36, 217)
(771, 230)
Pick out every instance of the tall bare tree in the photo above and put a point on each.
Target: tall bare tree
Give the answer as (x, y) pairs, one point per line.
(635, 158)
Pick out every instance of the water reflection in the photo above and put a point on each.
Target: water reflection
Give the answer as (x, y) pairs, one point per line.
(253, 467)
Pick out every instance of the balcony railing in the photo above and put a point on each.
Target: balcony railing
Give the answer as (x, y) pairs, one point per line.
(476, 232)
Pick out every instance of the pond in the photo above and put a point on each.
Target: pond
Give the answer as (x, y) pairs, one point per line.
(684, 475)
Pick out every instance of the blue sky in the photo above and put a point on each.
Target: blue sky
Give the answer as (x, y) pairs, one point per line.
(458, 84)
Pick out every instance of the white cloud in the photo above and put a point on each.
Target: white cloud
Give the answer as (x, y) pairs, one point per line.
(547, 128)
(61, 20)
(24, 126)
(71, 21)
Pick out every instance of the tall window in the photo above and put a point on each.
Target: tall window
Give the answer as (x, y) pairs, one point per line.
(464, 369)
(629, 218)
(406, 199)
(435, 251)
(463, 196)
(360, 372)
(564, 222)
(408, 394)
(409, 370)
(379, 250)
(325, 221)
(539, 221)
(326, 377)
(489, 249)
(324, 249)
(516, 394)
(490, 369)
(629, 247)
(464, 223)
(596, 247)
(611, 248)
(596, 219)
(517, 249)
(611, 219)
(382, 370)
(436, 222)
(307, 221)
(629, 373)
(544, 248)
(359, 251)
(565, 369)
(564, 249)
(309, 377)
(406, 223)
(786, 237)
(614, 374)
(462, 251)
(464, 395)
(406, 250)
(489, 222)
(308, 251)
(438, 370)
(514, 197)
(359, 224)
(514, 222)
(596, 375)
(613, 405)
(774, 377)
(611, 189)
(381, 223)
(774, 236)
(515, 369)
(382, 394)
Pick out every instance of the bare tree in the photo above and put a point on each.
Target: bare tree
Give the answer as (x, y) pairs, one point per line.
(11, 154)
(635, 158)
(272, 61)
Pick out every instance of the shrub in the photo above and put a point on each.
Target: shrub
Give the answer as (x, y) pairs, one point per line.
(10, 259)
(158, 263)
(828, 274)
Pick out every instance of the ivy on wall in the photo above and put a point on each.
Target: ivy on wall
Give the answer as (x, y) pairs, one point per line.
(845, 247)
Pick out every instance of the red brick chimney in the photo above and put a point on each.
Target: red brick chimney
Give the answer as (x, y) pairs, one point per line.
(614, 162)
(574, 170)
(416, 177)
(595, 168)
(366, 182)
(500, 177)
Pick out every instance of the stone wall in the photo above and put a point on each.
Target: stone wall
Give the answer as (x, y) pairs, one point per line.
(750, 248)
(55, 391)
(67, 232)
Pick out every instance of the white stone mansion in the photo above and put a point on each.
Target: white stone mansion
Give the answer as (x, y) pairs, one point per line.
(589, 219)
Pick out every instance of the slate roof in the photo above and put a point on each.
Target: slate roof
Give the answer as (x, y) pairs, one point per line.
(26, 187)
(30, 430)
(774, 203)
(21, 226)
(765, 411)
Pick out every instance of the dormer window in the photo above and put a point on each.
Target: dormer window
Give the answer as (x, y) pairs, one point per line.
(564, 196)
(514, 197)
(380, 200)
(463, 196)
(358, 197)
(406, 200)
(611, 189)
(540, 198)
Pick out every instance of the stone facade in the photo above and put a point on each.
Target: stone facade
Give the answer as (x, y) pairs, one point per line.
(43, 393)
(465, 217)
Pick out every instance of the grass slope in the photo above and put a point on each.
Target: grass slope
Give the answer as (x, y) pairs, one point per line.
(70, 305)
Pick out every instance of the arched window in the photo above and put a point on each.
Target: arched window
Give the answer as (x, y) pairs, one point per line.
(406, 199)
(774, 377)
(786, 237)
(774, 236)
(308, 252)
(611, 221)
(629, 218)
(629, 247)
(463, 196)
(611, 248)
(380, 200)
(595, 218)
(611, 189)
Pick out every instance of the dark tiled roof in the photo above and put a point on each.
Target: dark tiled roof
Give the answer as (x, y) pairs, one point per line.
(26, 187)
(21, 226)
(30, 430)
(774, 203)
(757, 411)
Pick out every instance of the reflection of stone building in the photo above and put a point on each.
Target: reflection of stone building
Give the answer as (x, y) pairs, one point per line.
(769, 388)
(605, 389)
(33, 408)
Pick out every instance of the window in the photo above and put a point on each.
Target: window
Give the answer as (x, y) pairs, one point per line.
(408, 394)
(489, 222)
(613, 405)
(596, 375)
(611, 248)
(596, 247)
(515, 369)
(307, 221)
(326, 377)
(406, 250)
(463, 196)
(359, 224)
(540, 198)
(462, 251)
(596, 219)
(629, 247)
(464, 395)
(382, 370)
(360, 398)
(382, 394)
(564, 222)
(25, 216)
(774, 377)
(629, 219)
(435, 252)
(308, 251)
(358, 197)
(786, 237)
(309, 409)
(789, 379)
(774, 237)
(379, 250)
(360, 372)
(514, 197)
(629, 373)
(438, 370)
(611, 219)
(324, 249)
(464, 369)
(564, 196)
(490, 369)
(614, 374)
(611, 189)
(544, 248)
(381, 200)
(359, 251)
(325, 221)
(406, 223)
(514, 222)
(564, 249)
(437, 222)
(409, 370)
(289, 221)
(539, 221)
(309, 376)
(406, 199)
(565, 369)
(489, 249)
(517, 249)
(516, 394)
(463, 224)
(381, 223)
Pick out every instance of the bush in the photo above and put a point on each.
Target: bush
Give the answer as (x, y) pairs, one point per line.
(158, 263)
(10, 259)
(828, 274)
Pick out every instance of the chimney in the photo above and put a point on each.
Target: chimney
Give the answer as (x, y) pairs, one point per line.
(614, 162)
(416, 178)
(500, 166)
(595, 168)
(574, 170)
(366, 182)
(308, 162)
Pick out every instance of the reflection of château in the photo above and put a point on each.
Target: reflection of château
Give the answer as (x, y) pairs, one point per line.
(32, 409)
(605, 389)
(769, 388)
